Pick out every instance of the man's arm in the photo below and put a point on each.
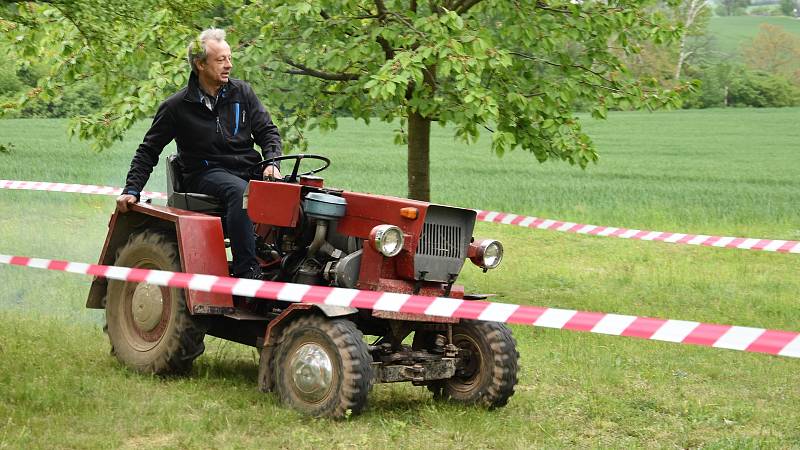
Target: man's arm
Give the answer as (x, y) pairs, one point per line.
(161, 133)
(265, 133)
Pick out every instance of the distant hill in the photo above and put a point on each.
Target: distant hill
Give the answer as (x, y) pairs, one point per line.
(729, 33)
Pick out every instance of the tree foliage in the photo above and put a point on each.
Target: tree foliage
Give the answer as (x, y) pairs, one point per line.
(789, 7)
(515, 69)
(775, 51)
(732, 7)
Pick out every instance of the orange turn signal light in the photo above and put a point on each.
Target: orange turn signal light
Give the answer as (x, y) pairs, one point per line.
(409, 213)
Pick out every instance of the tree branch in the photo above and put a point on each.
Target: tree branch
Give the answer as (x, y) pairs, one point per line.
(382, 11)
(463, 6)
(388, 51)
(331, 76)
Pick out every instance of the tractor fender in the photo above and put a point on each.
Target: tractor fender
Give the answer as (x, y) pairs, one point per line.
(336, 311)
(275, 330)
(201, 246)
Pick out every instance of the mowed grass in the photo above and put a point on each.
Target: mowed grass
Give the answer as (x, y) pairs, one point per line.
(731, 32)
(726, 172)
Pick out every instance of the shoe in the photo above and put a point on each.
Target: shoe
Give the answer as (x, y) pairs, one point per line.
(253, 273)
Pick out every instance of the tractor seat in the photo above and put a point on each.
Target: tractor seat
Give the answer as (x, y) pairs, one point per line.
(177, 197)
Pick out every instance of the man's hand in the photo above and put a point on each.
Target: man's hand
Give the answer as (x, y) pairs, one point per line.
(272, 173)
(124, 201)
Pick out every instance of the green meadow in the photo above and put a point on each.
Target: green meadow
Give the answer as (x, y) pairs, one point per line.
(730, 172)
(731, 32)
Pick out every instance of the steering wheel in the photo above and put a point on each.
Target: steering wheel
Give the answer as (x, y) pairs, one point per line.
(257, 170)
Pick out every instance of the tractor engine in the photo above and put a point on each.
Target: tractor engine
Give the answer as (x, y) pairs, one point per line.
(313, 252)
(327, 237)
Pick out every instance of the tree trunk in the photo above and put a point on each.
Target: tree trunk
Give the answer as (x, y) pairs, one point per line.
(419, 147)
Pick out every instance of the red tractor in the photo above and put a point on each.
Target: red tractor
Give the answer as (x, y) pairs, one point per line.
(315, 357)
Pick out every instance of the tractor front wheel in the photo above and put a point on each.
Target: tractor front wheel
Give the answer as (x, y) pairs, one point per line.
(487, 370)
(149, 326)
(322, 367)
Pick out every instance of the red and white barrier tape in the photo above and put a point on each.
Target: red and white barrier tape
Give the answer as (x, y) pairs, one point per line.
(76, 188)
(759, 340)
(768, 245)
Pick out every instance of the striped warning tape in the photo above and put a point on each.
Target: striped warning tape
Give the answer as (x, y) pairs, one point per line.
(75, 188)
(768, 245)
(758, 340)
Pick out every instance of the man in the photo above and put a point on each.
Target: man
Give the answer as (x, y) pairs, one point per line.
(214, 120)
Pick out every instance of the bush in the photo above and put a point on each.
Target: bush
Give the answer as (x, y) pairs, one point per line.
(789, 7)
(10, 84)
(761, 89)
(726, 85)
(765, 10)
(79, 98)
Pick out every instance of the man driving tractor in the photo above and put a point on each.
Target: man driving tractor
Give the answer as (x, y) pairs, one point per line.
(214, 120)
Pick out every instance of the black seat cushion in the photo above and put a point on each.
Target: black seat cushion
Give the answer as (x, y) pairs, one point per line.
(177, 197)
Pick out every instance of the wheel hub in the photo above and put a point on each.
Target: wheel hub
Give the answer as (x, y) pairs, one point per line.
(147, 306)
(312, 371)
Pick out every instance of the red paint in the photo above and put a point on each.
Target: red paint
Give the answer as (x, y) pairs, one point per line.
(200, 243)
(274, 203)
(365, 211)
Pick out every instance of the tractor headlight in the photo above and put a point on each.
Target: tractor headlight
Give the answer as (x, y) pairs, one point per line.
(387, 239)
(486, 253)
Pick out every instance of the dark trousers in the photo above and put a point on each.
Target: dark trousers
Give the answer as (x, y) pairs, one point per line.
(228, 186)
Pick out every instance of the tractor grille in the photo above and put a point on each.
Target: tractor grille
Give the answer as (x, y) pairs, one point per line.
(441, 240)
(443, 244)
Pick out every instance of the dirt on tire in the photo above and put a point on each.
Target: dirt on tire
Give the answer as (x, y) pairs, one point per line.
(343, 343)
(176, 338)
(489, 375)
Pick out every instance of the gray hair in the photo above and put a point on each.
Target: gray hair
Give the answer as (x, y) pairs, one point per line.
(197, 48)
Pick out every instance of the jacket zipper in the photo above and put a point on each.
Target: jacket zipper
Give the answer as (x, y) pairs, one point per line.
(236, 124)
(218, 127)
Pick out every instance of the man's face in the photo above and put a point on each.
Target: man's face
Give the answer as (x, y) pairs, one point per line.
(216, 68)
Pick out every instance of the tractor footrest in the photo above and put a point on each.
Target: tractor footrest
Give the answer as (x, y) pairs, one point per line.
(419, 372)
(239, 314)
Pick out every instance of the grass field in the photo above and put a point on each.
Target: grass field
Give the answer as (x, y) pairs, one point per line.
(729, 172)
(731, 32)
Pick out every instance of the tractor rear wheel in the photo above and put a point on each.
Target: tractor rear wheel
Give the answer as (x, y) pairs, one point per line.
(149, 326)
(487, 373)
(322, 367)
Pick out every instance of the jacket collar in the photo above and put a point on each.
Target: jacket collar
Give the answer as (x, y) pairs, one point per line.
(193, 91)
